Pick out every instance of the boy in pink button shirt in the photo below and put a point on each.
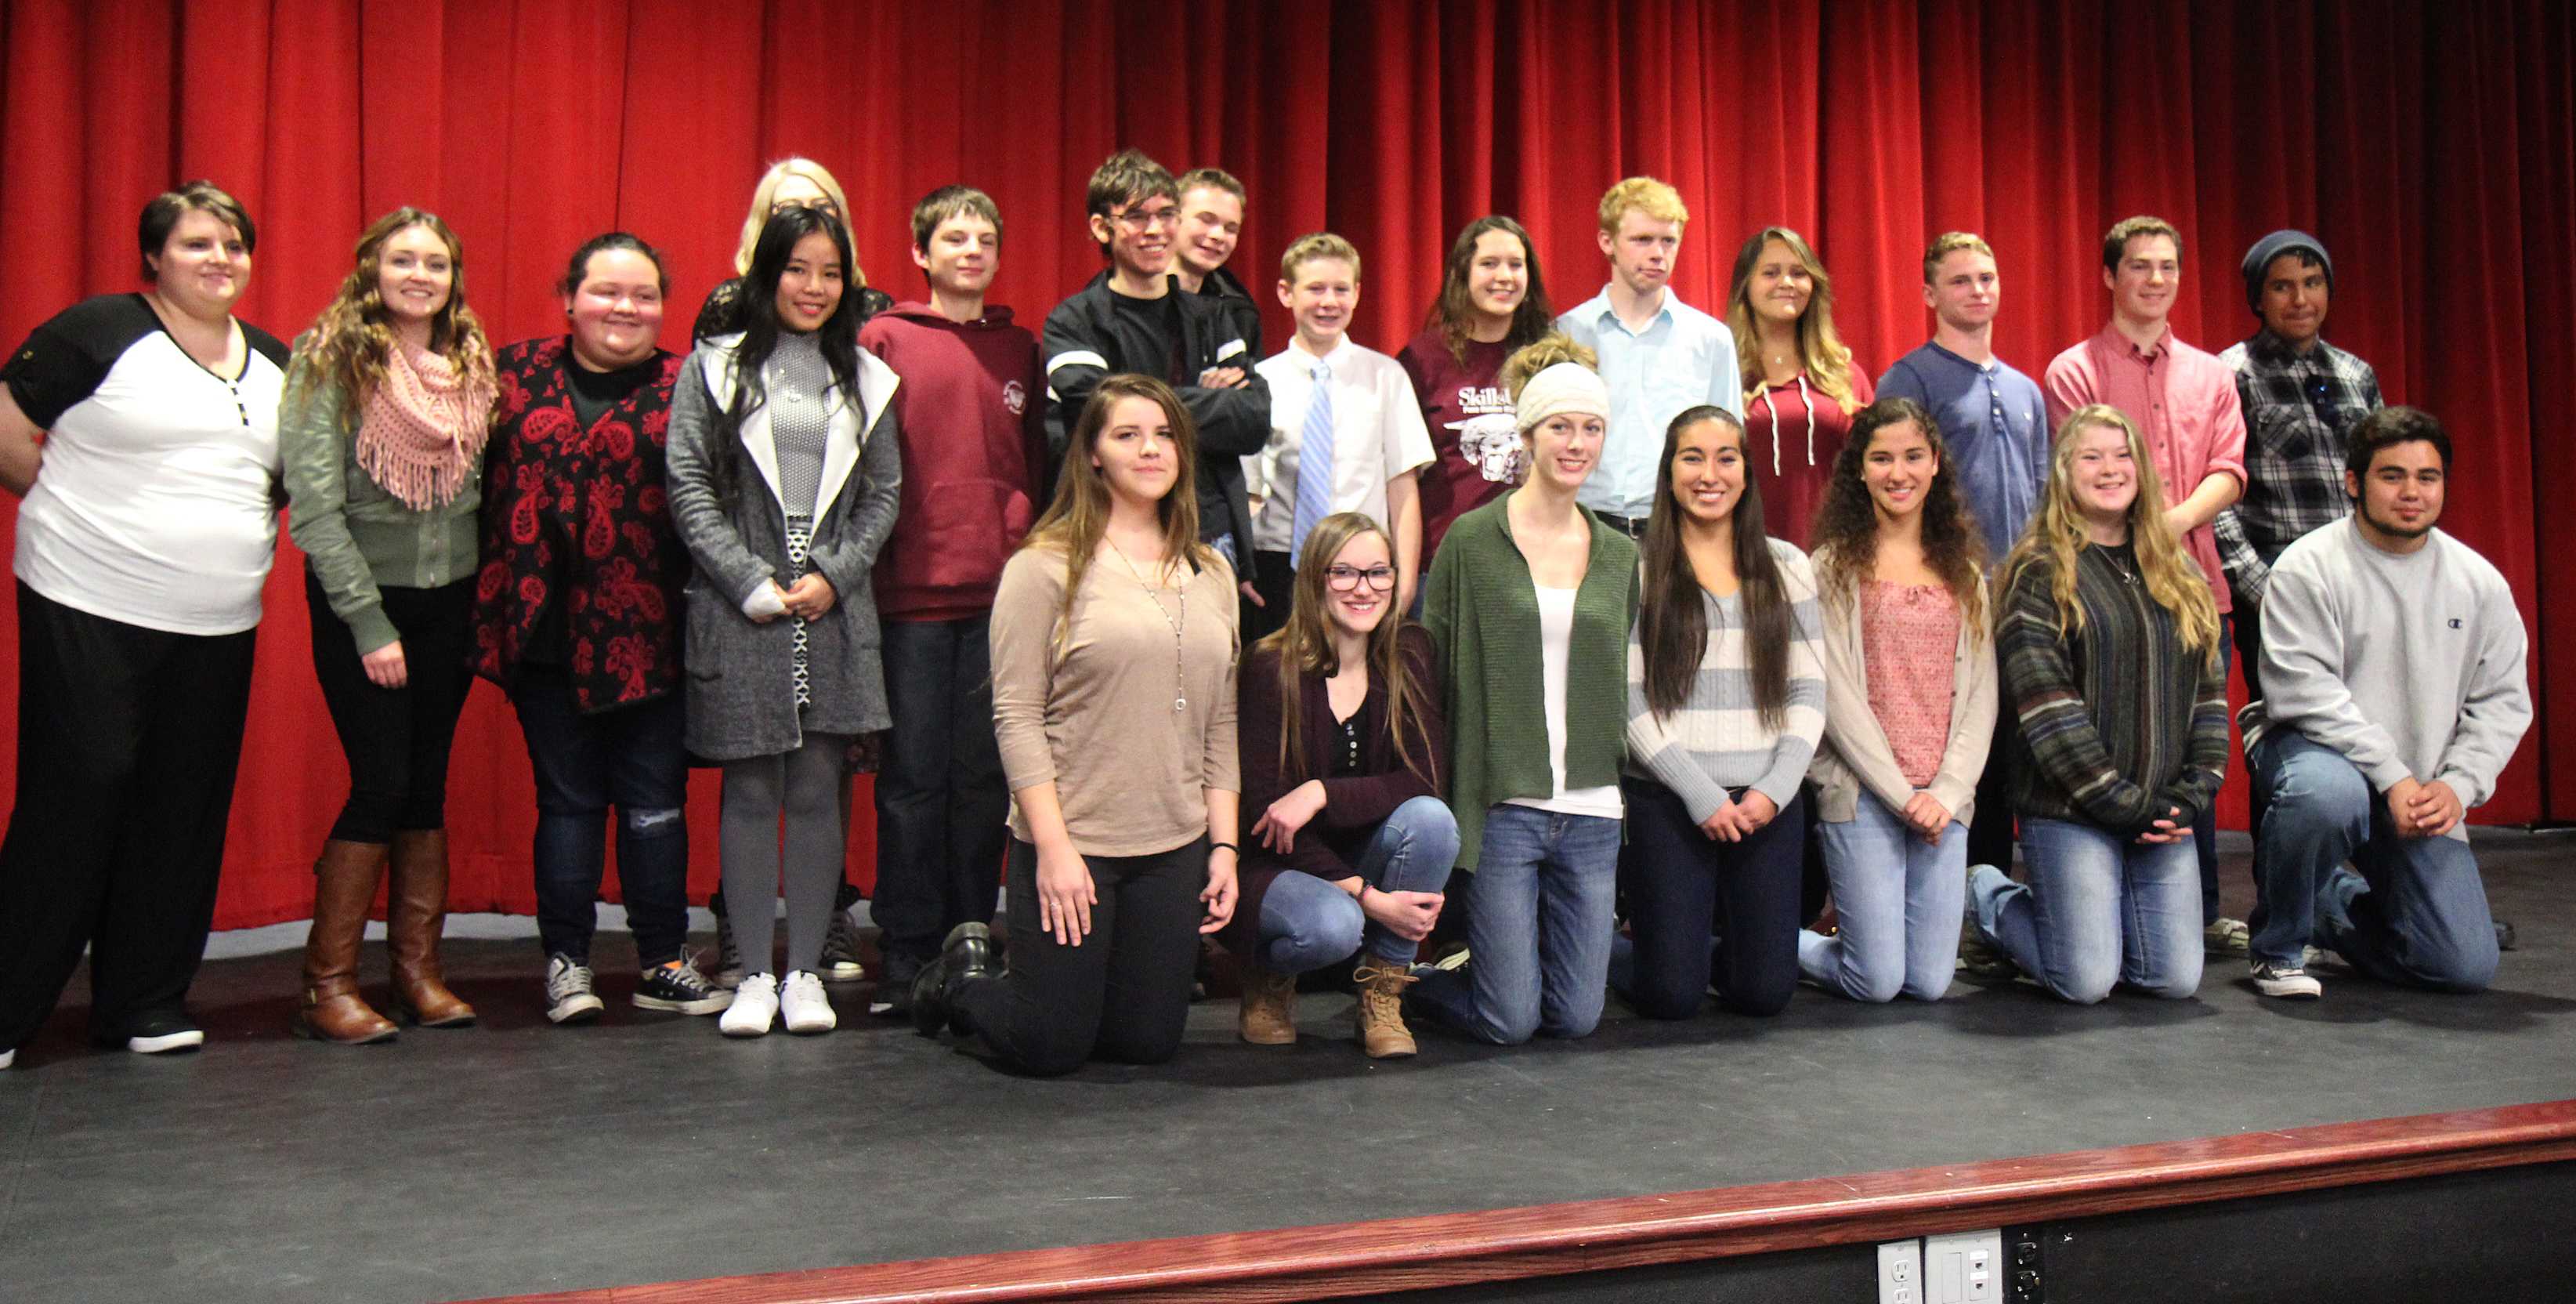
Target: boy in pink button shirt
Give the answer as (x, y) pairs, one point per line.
(2184, 401)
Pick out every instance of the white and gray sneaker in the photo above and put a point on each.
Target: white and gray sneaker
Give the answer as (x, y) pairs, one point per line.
(2286, 981)
(680, 988)
(806, 1008)
(569, 998)
(841, 951)
(755, 1004)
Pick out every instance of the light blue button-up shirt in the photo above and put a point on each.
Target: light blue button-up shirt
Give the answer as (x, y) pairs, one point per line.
(1682, 359)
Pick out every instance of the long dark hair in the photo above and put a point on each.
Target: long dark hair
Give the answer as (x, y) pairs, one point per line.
(838, 335)
(1845, 541)
(1672, 623)
(1453, 314)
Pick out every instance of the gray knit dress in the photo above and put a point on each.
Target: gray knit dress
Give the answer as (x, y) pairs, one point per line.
(799, 420)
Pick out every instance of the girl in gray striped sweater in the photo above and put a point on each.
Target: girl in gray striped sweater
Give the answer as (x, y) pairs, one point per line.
(1726, 699)
(2110, 651)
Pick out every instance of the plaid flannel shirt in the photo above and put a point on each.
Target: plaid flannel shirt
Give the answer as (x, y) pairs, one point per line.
(2299, 413)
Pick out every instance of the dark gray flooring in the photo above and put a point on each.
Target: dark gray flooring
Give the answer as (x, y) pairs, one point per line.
(518, 1157)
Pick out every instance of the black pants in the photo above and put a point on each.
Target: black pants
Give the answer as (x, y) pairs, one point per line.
(396, 739)
(631, 757)
(1990, 834)
(943, 806)
(1683, 885)
(1277, 585)
(128, 741)
(1124, 994)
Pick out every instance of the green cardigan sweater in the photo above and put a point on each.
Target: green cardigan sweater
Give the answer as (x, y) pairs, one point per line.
(1482, 611)
(357, 538)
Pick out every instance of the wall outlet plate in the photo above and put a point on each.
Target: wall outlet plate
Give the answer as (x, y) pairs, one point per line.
(1900, 1272)
(1965, 1268)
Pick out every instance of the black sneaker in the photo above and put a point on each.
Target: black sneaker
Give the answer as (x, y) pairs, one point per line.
(680, 988)
(161, 1032)
(893, 996)
(841, 951)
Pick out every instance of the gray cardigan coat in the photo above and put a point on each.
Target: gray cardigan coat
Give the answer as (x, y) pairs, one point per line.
(741, 696)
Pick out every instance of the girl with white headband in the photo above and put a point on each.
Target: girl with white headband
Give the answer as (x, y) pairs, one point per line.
(1528, 605)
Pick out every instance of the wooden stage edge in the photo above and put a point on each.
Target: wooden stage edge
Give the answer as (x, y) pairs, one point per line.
(1637, 1231)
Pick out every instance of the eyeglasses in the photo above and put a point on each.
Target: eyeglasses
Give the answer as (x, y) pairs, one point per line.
(1140, 220)
(1343, 579)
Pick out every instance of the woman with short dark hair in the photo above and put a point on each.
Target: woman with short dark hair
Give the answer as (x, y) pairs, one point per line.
(149, 524)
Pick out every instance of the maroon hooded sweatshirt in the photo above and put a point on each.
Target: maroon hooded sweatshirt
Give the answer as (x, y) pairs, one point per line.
(972, 411)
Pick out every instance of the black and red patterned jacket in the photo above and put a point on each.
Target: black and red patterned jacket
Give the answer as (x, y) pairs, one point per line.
(580, 517)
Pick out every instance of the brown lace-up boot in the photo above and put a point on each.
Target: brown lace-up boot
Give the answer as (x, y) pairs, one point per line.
(1381, 985)
(415, 913)
(344, 885)
(1269, 1016)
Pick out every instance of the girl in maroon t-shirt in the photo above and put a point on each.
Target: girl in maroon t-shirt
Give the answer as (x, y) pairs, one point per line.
(1801, 385)
(1492, 302)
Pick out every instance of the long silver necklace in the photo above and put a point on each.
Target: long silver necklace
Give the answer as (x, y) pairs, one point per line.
(1180, 698)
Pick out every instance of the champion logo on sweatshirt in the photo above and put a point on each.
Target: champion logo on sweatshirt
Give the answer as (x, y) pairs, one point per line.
(1015, 396)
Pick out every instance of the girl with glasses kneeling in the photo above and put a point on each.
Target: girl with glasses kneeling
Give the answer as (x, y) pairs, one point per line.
(2110, 663)
(1342, 747)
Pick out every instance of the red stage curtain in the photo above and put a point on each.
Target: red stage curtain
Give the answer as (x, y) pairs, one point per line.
(2432, 146)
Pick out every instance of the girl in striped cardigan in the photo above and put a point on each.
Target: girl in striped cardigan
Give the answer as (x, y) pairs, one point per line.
(2110, 667)
(1726, 699)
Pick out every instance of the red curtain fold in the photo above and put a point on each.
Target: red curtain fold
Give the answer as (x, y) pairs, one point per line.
(2433, 149)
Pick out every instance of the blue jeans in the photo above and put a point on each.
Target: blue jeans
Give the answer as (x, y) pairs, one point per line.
(1307, 923)
(2204, 827)
(2099, 909)
(631, 757)
(2416, 913)
(943, 809)
(1538, 930)
(1899, 898)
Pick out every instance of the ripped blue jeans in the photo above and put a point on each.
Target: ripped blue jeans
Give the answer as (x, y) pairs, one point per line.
(631, 758)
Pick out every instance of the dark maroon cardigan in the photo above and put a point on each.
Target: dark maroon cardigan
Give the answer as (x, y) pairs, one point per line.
(1353, 806)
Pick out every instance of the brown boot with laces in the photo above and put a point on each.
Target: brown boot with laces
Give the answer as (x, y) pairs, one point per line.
(1269, 1016)
(1381, 985)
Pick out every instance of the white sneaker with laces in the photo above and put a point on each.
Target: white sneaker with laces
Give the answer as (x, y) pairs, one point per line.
(2287, 981)
(807, 1009)
(569, 998)
(755, 1004)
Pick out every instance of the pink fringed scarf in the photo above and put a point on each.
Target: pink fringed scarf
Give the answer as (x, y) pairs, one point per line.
(423, 428)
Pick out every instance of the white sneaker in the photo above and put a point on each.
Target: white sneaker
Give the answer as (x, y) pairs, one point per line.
(755, 1003)
(8, 1057)
(2286, 981)
(569, 998)
(808, 1009)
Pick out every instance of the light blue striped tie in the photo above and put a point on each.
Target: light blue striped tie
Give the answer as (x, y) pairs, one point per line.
(1314, 467)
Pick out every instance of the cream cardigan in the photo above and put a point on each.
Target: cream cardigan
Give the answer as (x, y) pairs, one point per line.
(1855, 754)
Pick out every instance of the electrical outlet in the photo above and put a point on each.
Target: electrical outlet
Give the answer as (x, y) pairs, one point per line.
(2025, 1269)
(1900, 1272)
(1964, 1268)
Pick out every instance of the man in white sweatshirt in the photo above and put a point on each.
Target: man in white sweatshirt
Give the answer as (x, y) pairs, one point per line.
(2393, 696)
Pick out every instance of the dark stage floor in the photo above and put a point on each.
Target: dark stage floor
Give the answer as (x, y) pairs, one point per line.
(518, 1157)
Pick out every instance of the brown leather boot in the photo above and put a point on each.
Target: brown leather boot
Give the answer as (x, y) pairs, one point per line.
(1269, 1016)
(1381, 1009)
(344, 885)
(415, 913)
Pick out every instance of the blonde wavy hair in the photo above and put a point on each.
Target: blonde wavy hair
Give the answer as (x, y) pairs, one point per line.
(765, 195)
(349, 342)
(2057, 536)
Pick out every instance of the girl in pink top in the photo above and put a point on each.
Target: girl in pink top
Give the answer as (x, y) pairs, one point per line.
(1909, 707)
(1801, 386)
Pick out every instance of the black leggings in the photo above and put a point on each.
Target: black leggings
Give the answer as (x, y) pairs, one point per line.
(396, 739)
(1124, 994)
(1683, 885)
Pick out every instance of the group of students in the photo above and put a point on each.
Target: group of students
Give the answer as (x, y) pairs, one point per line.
(1192, 640)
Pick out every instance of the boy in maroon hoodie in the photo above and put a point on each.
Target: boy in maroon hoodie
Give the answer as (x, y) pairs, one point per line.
(972, 415)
